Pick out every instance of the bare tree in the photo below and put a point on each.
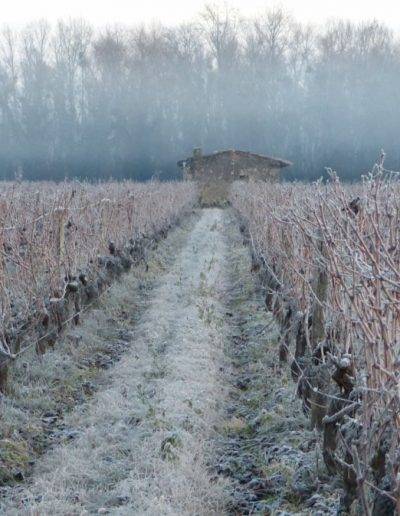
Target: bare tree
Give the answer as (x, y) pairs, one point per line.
(130, 101)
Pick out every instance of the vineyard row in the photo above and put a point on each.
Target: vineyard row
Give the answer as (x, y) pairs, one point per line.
(329, 257)
(62, 245)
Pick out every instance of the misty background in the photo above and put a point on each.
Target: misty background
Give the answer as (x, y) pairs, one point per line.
(129, 102)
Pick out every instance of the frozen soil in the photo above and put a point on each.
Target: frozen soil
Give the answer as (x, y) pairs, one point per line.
(196, 416)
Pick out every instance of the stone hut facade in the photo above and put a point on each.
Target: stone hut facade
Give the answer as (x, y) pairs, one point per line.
(216, 171)
(231, 165)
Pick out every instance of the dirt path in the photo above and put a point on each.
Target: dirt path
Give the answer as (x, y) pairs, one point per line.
(196, 418)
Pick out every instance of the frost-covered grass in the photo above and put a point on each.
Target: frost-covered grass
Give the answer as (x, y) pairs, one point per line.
(44, 388)
(143, 443)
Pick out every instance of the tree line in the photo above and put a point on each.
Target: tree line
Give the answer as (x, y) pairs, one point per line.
(130, 101)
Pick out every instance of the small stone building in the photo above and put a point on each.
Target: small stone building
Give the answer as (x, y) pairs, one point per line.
(216, 171)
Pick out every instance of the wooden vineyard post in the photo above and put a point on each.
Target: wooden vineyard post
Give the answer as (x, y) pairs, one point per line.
(3, 360)
(130, 210)
(60, 221)
(105, 205)
(321, 292)
(317, 336)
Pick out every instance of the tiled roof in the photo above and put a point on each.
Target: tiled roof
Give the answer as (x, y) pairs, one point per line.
(277, 162)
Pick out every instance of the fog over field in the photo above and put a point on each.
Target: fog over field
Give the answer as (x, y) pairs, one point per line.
(199, 258)
(129, 101)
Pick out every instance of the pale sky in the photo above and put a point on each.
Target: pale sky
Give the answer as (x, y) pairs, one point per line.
(104, 12)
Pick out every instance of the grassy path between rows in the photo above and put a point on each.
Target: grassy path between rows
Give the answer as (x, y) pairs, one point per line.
(195, 418)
